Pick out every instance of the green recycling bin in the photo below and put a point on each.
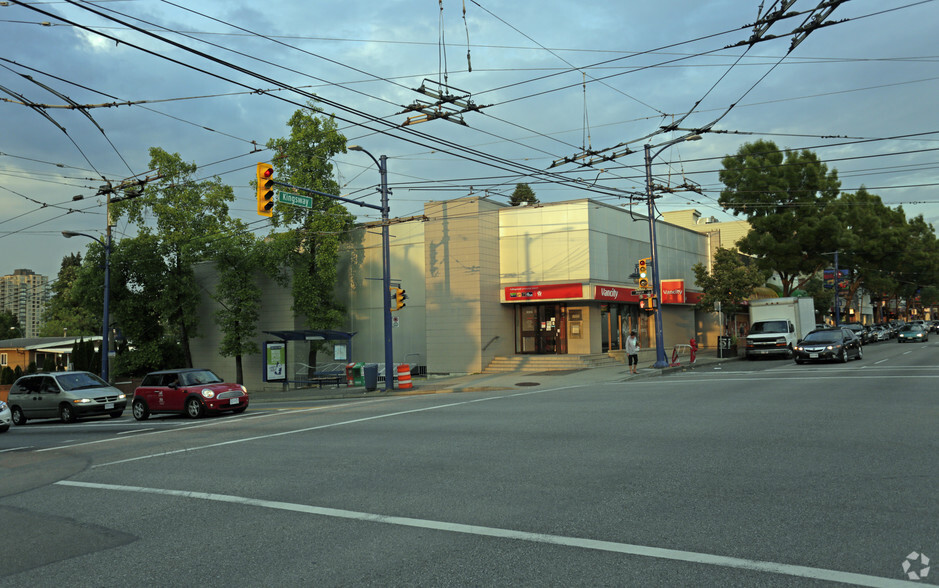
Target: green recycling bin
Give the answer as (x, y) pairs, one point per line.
(358, 374)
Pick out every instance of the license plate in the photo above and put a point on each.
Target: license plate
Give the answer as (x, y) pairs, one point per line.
(109, 406)
(233, 401)
(813, 356)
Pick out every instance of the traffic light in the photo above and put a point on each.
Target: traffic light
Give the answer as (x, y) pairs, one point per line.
(265, 175)
(399, 297)
(648, 304)
(645, 272)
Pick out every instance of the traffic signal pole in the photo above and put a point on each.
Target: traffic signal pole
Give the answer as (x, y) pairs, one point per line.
(382, 163)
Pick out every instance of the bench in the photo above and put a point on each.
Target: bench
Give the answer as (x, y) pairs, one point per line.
(321, 379)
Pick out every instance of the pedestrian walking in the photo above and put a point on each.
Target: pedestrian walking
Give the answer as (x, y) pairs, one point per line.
(632, 352)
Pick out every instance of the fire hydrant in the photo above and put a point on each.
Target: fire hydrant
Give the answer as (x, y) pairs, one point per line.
(694, 350)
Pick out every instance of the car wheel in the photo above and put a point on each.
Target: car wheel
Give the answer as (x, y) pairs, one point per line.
(18, 417)
(67, 413)
(4, 428)
(799, 361)
(116, 415)
(140, 409)
(844, 355)
(860, 353)
(194, 408)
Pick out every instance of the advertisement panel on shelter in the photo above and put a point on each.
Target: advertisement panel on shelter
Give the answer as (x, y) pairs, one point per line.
(275, 356)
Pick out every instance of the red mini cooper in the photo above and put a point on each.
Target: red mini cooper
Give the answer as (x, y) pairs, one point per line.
(191, 392)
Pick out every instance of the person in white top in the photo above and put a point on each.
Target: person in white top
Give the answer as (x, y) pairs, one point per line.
(632, 352)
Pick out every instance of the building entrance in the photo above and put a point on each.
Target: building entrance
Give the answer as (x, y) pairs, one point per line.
(542, 328)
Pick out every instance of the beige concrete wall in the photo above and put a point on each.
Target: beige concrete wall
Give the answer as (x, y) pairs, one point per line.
(466, 324)
(276, 314)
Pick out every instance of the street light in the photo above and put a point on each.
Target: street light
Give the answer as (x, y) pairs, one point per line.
(105, 327)
(382, 163)
(660, 360)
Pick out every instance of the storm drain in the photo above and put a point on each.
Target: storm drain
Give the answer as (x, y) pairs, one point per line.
(528, 384)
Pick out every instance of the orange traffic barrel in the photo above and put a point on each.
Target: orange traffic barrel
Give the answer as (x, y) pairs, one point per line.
(404, 376)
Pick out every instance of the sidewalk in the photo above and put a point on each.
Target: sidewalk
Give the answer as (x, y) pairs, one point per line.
(498, 381)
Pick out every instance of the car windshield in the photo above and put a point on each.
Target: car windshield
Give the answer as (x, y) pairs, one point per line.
(80, 381)
(908, 328)
(822, 337)
(199, 377)
(769, 327)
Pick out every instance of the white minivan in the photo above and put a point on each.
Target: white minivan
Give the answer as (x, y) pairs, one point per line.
(66, 395)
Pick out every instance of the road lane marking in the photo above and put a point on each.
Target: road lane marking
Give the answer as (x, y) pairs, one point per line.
(211, 424)
(880, 362)
(576, 542)
(330, 425)
(15, 449)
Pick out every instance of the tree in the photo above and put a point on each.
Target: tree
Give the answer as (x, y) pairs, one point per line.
(179, 215)
(138, 279)
(872, 235)
(784, 195)
(307, 255)
(730, 282)
(9, 325)
(523, 194)
(237, 260)
(75, 306)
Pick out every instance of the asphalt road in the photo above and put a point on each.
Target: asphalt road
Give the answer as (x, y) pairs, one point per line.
(758, 473)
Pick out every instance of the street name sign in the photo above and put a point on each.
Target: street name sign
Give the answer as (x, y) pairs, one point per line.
(294, 199)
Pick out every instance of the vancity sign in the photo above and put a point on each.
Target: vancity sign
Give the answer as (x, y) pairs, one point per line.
(673, 292)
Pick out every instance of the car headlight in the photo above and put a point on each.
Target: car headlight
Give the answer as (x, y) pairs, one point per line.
(3, 405)
(243, 389)
(207, 393)
(81, 401)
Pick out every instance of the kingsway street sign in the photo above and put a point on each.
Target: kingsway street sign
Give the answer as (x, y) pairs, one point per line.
(294, 199)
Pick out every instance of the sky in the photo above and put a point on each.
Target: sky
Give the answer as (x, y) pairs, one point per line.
(552, 80)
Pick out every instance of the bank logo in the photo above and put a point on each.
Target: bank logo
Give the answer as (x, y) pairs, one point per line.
(916, 566)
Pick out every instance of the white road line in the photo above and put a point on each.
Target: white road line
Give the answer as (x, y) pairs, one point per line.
(212, 424)
(880, 362)
(15, 449)
(134, 432)
(576, 542)
(327, 426)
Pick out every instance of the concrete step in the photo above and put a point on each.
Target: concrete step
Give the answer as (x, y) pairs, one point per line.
(543, 363)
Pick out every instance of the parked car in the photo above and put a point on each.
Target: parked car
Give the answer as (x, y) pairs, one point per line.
(859, 331)
(835, 344)
(191, 392)
(67, 395)
(912, 332)
(6, 417)
(880, 333)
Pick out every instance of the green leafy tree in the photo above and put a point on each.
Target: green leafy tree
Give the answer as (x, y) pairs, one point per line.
(523, 194)
(9, 325)
(784, 195)
(729, 283)
(871, 235)
(138, 277)
(306, 255)
(237, 260)
(178, 214)
(76, 304)
(7, 376)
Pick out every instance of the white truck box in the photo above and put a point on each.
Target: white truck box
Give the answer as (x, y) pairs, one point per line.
(777, 324)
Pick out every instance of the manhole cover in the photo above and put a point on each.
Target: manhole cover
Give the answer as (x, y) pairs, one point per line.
(528, 384)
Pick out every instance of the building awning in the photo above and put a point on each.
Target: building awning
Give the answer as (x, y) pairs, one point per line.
(312, 335)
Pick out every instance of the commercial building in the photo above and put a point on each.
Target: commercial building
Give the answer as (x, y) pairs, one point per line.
(486, 280)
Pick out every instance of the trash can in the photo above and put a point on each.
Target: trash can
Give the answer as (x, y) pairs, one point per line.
(726, 347)
(371, 376)
(358, 377)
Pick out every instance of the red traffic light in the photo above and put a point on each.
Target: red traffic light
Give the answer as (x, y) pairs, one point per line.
(267, 172)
